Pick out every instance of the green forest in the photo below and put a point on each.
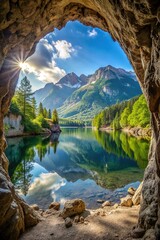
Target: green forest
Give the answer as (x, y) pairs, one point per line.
(34, 118)
(131, 113)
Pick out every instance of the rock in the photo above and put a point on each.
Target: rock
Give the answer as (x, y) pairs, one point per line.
(55, 128)
(106, 203)
(76, 219)
(68, 222)
(137, 196)
(131, 191)
(35, 207)
(126, 201)
(73, 207)
(150, 235)
(31, 217)
(103, 214)
(85, 222)
(100, 201)
(135, 24)
(138, 233)
(55, 205)
(115, 205)
(81, 219)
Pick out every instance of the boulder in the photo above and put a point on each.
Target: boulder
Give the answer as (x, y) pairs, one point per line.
(126, 201)
(131, 191)
(73, 207)
(137, 196)
(68, 222)
(55, 205)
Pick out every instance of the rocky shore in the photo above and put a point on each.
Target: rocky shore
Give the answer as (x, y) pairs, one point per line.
(74, 221)
(136, 131)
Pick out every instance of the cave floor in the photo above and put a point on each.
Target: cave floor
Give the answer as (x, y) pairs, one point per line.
(107, 223)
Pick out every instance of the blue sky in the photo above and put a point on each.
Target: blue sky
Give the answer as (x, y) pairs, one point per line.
(75, 48)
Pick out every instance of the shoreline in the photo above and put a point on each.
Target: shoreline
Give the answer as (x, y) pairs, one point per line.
(83, 223)
(136, 131)
(27, 134)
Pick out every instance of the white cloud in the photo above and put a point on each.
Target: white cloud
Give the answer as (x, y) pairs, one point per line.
(63, 48)
(43, 62)
(92, 33)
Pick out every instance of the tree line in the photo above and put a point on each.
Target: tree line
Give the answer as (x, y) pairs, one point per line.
(131, 113)
(33, 118)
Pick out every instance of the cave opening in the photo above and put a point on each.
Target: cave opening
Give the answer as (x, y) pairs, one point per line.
(66, 63)
(136, 27)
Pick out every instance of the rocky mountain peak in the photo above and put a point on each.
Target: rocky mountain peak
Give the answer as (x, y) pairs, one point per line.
(69, 80)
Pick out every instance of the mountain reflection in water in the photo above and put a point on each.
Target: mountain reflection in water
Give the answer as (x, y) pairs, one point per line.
(79, 163)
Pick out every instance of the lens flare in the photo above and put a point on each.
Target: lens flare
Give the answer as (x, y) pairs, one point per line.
(22, 65)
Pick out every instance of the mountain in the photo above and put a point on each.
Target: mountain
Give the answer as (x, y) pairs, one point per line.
(105, 87)
(53, 95)
(83, 97)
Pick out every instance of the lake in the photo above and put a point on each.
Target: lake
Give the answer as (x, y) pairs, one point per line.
(81, 163)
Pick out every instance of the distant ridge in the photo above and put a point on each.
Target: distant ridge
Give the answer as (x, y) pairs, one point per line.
(83, 97)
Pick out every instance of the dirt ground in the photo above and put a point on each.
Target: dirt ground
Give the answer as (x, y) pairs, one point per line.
(108, 223)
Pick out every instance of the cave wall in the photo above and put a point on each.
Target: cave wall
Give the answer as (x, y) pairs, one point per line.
(135, 24)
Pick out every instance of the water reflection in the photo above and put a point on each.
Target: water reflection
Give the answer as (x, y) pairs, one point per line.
(78, 163)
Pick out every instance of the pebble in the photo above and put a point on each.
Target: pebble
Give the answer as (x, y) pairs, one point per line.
(103, 214)
(85, 222)
(81, 219)
(68, 222)
(100, 201)
(76, 219)
(106, 203)
(115, 205)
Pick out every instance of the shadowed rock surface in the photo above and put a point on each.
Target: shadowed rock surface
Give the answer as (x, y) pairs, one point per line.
(136, 25)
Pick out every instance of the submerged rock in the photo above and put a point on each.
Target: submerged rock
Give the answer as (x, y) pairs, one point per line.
(73, 207)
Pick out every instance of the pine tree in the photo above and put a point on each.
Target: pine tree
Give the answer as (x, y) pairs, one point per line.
(24, 99)
(40, 109)
(55, 117)
(49, 114)
(34, 108)
(124, 117)
(45, 113)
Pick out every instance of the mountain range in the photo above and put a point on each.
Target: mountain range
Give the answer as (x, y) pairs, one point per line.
(84, 96)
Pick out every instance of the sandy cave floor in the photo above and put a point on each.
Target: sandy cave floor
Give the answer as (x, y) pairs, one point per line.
(107, 223)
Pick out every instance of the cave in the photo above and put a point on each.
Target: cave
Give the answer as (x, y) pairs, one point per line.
(136, 26)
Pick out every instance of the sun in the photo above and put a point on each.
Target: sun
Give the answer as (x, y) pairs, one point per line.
(22, 65)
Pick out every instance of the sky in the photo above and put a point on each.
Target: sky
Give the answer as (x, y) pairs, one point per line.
(75, 48)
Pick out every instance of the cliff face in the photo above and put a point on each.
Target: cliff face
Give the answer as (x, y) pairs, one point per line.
(12, 125)
(136, 25)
